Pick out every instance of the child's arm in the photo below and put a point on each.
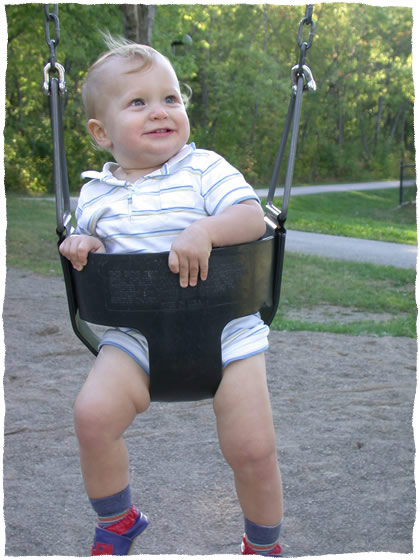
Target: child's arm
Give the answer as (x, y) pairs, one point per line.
(77, 247)
(191, 250)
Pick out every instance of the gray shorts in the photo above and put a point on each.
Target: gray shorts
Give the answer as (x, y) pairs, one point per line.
(241, 338)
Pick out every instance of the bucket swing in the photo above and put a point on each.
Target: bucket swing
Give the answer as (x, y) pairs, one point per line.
(183, 326)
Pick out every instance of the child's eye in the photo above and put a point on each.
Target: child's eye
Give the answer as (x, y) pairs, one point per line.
(171, 99)
(137, 102)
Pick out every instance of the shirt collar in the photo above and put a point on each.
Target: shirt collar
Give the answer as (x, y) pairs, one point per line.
(107, 176)
(173, 161)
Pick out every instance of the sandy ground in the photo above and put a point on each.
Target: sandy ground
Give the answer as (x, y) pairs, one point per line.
(343, 412)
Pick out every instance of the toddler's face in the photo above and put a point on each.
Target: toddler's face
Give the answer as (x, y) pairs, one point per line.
(141, 116)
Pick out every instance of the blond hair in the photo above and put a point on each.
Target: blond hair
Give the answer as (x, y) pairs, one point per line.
(120, 47)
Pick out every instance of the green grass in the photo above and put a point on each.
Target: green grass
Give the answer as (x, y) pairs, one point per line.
(31, 241)
(313, 282)
(308, 282)
(365, 214)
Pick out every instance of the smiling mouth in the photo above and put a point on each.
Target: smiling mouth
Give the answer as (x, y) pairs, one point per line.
(160, 131)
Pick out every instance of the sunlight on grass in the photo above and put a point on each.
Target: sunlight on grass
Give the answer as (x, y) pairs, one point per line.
(364, 214)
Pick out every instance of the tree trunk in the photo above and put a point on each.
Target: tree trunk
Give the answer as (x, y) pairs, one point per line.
(138, 20)
(204, 78)
(378, 119)
(340, 118)
(397, 118)
(255, 119)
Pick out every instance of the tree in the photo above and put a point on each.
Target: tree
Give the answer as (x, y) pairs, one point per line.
(138, 20)
(27, 136)
(357, 125)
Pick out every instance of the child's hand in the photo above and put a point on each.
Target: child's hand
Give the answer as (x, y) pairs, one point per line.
(190, 254)
(77, 247)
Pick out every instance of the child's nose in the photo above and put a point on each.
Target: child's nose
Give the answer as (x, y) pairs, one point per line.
(158, 112)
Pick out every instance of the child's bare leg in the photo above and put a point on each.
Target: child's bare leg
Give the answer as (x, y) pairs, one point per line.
(247, 439)
(114, 392)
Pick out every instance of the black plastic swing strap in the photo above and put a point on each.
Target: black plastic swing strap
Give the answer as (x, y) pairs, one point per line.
(301, 79)
(54, 86)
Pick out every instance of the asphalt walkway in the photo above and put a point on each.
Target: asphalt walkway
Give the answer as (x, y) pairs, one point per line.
(347, 248)
(352, 249)
(316, 189)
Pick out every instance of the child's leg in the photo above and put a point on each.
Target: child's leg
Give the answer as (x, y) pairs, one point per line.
(114, 392)
(248, 442)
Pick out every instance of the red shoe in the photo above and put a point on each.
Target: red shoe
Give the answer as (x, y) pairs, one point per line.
(246, 549)
(109, 543)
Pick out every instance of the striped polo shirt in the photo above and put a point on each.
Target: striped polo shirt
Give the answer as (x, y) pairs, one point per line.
(146, 216)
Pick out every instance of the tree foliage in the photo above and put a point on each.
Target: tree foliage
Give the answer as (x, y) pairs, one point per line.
(237, 60)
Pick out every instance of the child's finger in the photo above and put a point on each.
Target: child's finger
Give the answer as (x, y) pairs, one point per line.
(184, 272)
(204, 268)
(173, 262)
(193, 272)
(82, 254)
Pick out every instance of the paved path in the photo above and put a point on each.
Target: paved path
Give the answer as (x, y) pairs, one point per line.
(352, 249)
(316, 189)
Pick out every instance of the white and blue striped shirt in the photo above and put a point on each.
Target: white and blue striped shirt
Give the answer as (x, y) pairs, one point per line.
(148, 215)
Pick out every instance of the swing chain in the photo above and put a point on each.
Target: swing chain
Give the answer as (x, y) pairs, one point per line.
(306, 20)
(304, 46)
(302, 79)
(302, 69)
(53, 65)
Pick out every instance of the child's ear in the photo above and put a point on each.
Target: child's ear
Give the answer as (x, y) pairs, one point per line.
(99, 133)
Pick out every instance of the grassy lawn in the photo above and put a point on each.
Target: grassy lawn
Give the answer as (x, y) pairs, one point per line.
(365, 214)
(31, 241)
(368, 299)
(380, 300)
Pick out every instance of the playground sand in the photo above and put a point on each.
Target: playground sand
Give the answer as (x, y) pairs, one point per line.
(342, 408)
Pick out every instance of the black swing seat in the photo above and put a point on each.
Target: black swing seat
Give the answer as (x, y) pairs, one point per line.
(183, 326)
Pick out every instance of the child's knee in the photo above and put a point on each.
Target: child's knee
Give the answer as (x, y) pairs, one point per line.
(254, 454)
(100, 418)
(90, 421)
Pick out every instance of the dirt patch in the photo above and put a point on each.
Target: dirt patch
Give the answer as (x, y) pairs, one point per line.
(335, 314)
(343, 412)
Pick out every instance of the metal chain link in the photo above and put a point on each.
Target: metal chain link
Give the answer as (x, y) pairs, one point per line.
(52, 42)
(307, 20)
(304, 46)
(301, 69)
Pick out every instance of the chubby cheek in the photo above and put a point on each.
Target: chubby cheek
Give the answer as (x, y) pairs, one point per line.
(186, 128)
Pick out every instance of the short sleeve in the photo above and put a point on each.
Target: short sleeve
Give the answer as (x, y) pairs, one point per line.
(223, 186)
(87, 214)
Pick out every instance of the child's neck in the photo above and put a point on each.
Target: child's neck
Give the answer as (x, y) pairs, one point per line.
(131, 175)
